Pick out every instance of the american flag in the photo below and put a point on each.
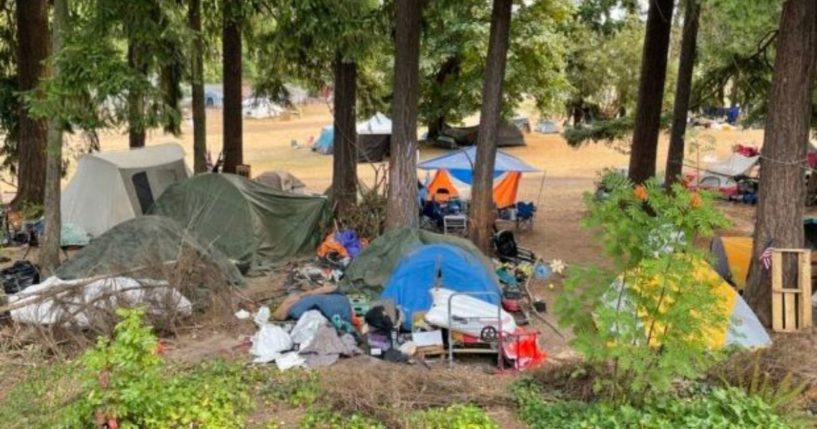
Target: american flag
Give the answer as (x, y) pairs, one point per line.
(766, 256)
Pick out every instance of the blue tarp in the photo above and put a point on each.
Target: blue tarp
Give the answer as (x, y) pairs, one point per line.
(464, 160)
(324, 143)
(411, 282)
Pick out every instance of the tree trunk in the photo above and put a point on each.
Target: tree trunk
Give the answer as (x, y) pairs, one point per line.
(651, 91)
(450, 68)
(482, 210)
(401, 206)
(683, 90)
(231, 56)
(197, 88)
(32, 50)
(344, 161)
(136, 97)
(782, 195)
(50, 247)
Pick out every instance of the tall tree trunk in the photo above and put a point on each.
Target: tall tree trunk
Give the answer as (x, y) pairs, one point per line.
(482, 210)
(401, 207)
(197, 87)
(32, 50)
(449, 69)
(782, 194)
(344, 161)
(683, 90)
(231, 56)
(50, 248)
(136, 96)
(651, 91)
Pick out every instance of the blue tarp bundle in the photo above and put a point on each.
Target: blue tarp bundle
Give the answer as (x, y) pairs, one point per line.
(411, 282)
(324, 143)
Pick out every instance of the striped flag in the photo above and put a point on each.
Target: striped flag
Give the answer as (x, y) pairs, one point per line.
(766, 257)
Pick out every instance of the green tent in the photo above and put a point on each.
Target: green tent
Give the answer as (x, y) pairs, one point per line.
(372, 268)
(254, 225)
(141, 247)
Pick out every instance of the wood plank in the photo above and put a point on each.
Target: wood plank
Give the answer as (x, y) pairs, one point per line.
(777, 284)
(806, 317)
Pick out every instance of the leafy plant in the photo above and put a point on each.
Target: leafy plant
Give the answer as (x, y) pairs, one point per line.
(650, 320)
(127, 384)
(323, 418)
(716, 408)
(453, 417)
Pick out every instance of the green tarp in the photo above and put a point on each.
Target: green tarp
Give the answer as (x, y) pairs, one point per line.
(372, 268)
(141, 248)
(254, 225)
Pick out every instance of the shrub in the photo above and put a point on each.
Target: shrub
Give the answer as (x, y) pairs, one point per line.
(647, 322)
(453, 417)
(127, 384)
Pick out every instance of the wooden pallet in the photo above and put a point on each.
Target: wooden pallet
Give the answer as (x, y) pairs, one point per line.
(791, 306)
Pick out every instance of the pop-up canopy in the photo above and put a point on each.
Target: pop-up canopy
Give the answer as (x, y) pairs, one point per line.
(455, 174)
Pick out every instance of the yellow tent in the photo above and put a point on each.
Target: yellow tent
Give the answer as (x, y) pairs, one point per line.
(732, 258)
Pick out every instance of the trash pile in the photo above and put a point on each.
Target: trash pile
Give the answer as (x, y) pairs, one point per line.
(427, 297)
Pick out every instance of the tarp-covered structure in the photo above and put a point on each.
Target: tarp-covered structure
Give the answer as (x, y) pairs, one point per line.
(438, 265)
(374, 138)
(255, 226)
(139, 247)
(455, 137)
(455, 175)
(112, 187)
(372, 268)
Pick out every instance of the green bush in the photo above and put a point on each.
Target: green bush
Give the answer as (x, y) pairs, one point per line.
(453, 417)
(645, 323)
(322, 418)
(721, 408)
(125, 380)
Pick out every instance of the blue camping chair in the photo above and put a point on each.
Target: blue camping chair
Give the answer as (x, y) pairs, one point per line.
(525, 212)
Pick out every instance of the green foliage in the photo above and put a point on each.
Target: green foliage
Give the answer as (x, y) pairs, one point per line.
(40, 398)
(322, 418)
(125, 378)
(453, 417)
(297, 388)
(647, 322)
(599, 131)
(720, 408)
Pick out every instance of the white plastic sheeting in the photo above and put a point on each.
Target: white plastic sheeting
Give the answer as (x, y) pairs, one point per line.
(469, 314)
(377, 124)
(108, 292)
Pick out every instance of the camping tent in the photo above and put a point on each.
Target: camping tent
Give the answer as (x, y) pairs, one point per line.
(140, 247)
(547, 127)
(323, 144)
(213, 96)
(455, 171)
(111, 187)
(281, 181)
(260, 108)
(417, 273)
(741, 328)
(252, 224)
(371, 269)
(374, 138)
(454, 137)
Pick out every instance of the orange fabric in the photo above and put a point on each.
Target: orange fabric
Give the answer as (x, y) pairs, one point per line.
(442, 180)
(330, 245)
(505, 191)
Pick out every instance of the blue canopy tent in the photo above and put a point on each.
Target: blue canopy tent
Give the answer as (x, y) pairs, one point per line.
(459, 166)
(416, 274)
(324, 143)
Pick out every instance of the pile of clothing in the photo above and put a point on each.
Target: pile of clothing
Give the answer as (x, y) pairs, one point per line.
(340, 247)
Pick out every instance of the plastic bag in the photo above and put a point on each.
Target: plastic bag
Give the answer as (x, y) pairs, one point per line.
(307, 326)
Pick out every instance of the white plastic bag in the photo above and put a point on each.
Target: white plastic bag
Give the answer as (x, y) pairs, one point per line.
(307, 326)
(269, 342)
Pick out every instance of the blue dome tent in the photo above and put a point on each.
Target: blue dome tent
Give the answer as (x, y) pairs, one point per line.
(411, 282)
(324, 143)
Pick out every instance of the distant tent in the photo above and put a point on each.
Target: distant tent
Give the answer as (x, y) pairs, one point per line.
(213, 96)
(281, 181)
(454, 137)
(325, 141)
(254, 225)
(374, 138)
(140, 247)
(417, 273)
(260, 108)
(372, 268)
(547, 127)
(455, 171)
(112, 187)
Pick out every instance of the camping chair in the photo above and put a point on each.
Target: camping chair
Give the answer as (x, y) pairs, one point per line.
(525, 212)
(507, 251)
